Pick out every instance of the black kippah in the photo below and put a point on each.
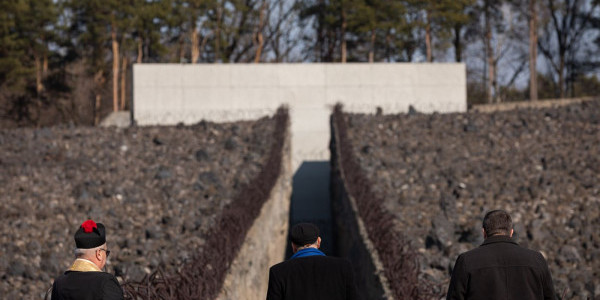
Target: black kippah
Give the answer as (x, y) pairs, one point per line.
(90, 235)
(304, 234)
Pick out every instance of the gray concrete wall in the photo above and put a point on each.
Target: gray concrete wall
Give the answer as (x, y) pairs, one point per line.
(352, 238)
(265, 242)
(173, 93)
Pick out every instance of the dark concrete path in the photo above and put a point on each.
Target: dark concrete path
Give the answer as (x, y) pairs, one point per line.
(311, 202)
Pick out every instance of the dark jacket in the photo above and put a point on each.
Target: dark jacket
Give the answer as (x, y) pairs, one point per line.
(501, 269)
(86, 286)
(312, 277)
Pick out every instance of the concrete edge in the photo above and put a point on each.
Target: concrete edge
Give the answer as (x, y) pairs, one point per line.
(119, 119)
(362, 230)
(489, 108)
(265, 241)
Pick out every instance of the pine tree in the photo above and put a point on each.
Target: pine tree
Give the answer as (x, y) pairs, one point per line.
(149, 18)
(13, 73)
(90, 27)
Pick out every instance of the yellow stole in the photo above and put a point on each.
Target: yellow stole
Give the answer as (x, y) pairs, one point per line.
(84, 265)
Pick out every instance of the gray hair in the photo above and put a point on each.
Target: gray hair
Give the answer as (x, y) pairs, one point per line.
(79, 252)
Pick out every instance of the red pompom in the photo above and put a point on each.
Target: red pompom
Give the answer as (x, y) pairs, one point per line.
(88, 226)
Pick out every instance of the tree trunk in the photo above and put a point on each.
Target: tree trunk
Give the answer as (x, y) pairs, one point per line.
(561, 75)
(322, 34)
(428, 37)
(195, 52)
(490, 54)
(388, 50)
(181, 50)
(203, 44)
(259, 34)
(372, 48)
(39, 87)
(140, 53)
(533, 92)
(45, 64)
(331, 46)
(457, 43)
(343, 36)
(495, 82)
(99, 80)
(123, 82)
(97, 109)
(115, 70)
(218, 34)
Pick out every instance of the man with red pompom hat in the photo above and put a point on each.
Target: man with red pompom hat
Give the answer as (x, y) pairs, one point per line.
(85, 278)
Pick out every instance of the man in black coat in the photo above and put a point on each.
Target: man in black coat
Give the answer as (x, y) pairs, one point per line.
(500, 268)
(85, 278)
(309, 274)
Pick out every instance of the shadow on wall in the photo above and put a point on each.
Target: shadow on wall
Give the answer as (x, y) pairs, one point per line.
(311, 202)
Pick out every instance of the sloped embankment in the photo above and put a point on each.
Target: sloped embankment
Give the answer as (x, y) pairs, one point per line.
(438, 174)
(162, 192)
(384, 261)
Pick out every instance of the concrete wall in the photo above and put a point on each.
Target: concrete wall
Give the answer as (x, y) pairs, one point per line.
(352, 242)
(352, 238)
(265, 242)
(173, 93)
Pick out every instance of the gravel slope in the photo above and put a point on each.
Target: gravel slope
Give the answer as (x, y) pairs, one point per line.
(439, 174)
(158, 190)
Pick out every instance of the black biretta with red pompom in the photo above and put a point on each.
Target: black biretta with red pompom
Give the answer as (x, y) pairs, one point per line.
(90, 235)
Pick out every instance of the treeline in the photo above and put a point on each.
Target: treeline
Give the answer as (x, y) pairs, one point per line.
(69, 61)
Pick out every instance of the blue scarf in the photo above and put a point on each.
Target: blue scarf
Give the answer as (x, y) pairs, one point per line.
(307, 252)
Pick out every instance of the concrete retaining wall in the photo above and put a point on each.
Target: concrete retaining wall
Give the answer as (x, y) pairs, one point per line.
(352, 238)
(352, 243)
(173, 93)
(265, 241)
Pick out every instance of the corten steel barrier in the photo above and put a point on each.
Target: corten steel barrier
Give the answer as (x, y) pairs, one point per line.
(202, 277)
(400, 261)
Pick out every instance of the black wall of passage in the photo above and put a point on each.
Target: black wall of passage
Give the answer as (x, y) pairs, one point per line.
(311, 202)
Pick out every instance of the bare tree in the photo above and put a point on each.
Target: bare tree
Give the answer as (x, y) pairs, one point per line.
(569, 20)
(533, 37)
(491, 57)
(344, 51)
(123, 81)
(282, 19)
(259, 39)
(115, 67)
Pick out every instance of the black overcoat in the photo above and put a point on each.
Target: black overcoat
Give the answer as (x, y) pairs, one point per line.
(86, 286)
(312, 277)
(501, 269)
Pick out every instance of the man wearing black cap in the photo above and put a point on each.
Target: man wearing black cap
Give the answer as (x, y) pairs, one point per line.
(309, 274)
(85, 278)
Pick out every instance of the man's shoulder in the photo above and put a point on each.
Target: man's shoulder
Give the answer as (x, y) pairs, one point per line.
(512, 246)
(329, 261)
(90, 274)
(503, 248)
(79, 285)
(85, 276)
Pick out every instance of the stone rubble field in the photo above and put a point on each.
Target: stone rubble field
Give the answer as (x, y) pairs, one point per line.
(440, 173)
(158, 190)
